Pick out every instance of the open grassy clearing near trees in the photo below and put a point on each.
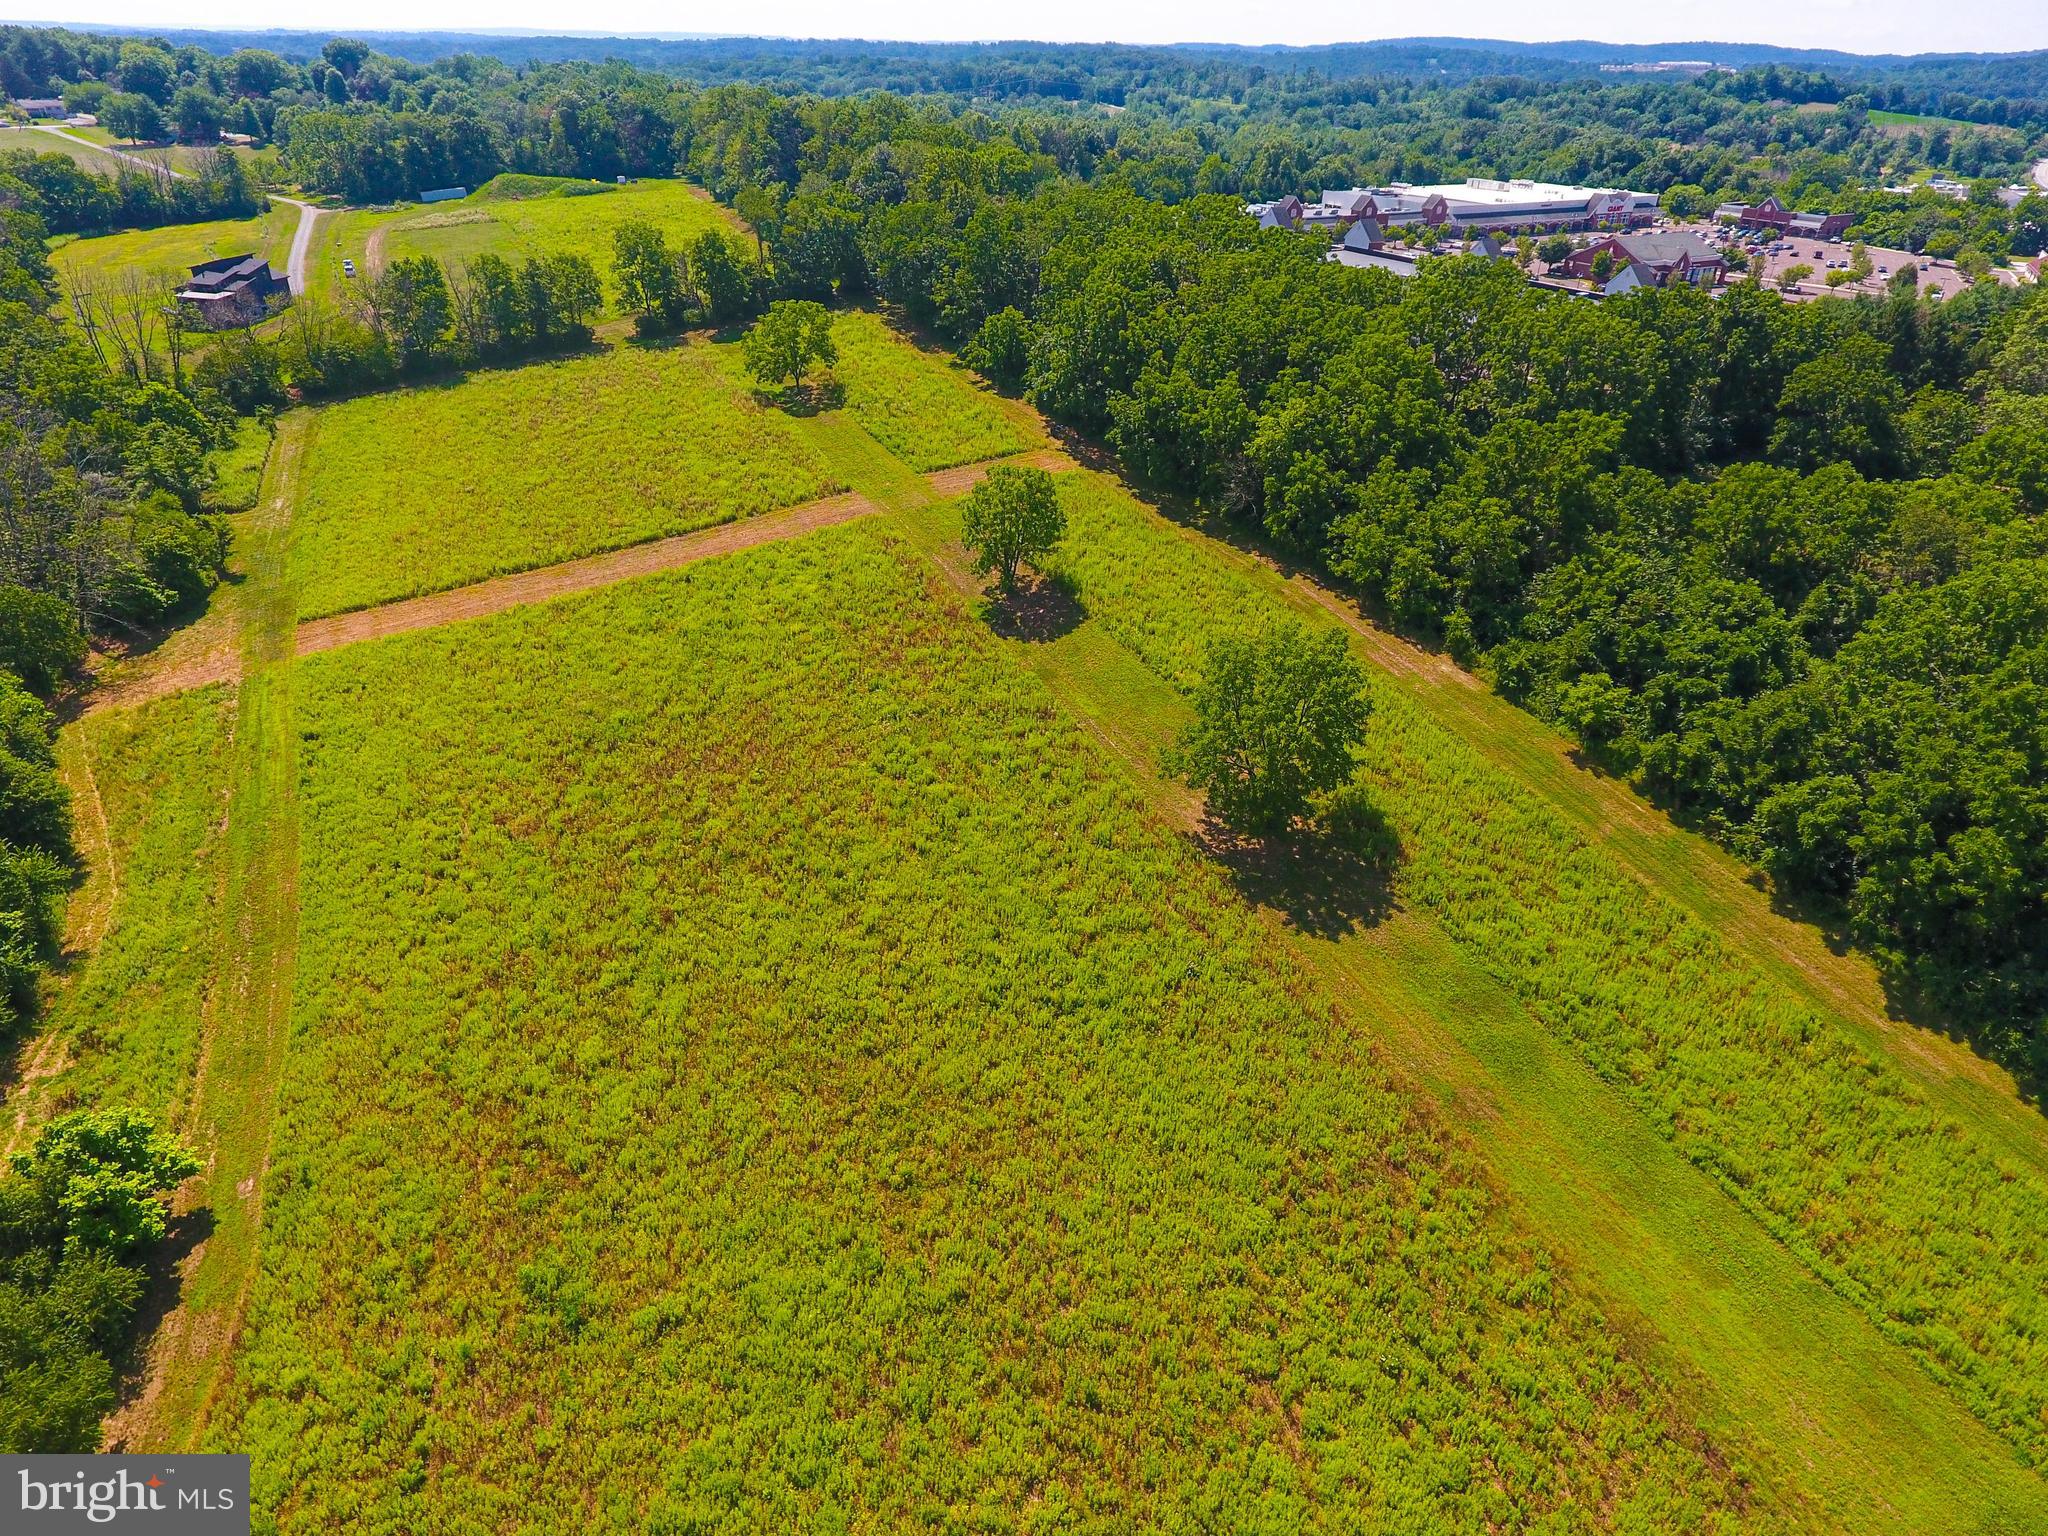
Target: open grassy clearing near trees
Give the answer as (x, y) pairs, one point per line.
(521, 216)
(171, 249)
(435, 487)
(788, 1081)
(1893, 1202)
(921, 408)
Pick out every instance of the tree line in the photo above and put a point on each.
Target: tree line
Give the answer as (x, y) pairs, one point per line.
(101, 530)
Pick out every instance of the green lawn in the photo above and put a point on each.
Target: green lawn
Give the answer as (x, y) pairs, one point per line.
(36, 141)
(922, 407)
(167, 252)
(756, 1065)
(425, 489)
(1893, 1200)
(520, 216)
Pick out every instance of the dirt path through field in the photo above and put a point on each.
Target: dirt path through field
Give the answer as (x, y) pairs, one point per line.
(550, 581)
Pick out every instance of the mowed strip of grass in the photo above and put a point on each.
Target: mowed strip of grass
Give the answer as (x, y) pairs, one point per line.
(521, 216)
(923, 408)
(126, 1014)
(756, 1067)
(1892, 1201)
(1839, 1418)
(426, 489)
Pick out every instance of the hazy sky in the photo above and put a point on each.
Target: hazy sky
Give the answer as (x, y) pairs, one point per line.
(1862, 26)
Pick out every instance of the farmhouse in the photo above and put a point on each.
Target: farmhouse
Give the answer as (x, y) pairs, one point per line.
(1772, 214)
(41, 108)
(233, 290)
(1665, 256)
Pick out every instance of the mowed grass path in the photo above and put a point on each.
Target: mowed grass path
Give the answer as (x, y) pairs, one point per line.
(425, 489)
(786, 1081)
(1885, 1196)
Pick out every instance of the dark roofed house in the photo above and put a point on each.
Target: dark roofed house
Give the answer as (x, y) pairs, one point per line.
(233, 290)
(39, 108)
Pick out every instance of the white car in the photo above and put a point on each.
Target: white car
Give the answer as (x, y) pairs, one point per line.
(348, 268)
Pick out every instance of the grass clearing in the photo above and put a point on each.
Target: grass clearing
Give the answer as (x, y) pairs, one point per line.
(84, 156)
(521, 216)
(790, 1082)
(922, 408)
(1886, 1197)
(425, 489)
(167, 252)
(1842, 1420)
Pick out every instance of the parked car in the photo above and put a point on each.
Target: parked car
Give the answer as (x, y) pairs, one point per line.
(348, 268)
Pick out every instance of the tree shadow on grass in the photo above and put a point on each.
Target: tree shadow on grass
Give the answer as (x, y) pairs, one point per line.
(803, 399)
(1041, 608)
(185, 1234)
(1326, 884)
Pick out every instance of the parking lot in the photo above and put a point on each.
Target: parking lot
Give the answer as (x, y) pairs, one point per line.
(1776, 253)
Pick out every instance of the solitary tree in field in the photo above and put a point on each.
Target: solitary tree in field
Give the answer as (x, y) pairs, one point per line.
(1276, 719)
(787, 342)
(1012, 516)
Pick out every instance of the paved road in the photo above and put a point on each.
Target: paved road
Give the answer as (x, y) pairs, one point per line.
(302, 243)
(302, 238)
(108, 149)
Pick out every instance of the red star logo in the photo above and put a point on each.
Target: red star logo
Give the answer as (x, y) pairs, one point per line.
(156, 1482)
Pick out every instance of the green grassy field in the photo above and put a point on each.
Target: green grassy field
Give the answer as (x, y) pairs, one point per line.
(1890, 1200)
(1903, 121)
(38, 142)
(788, 1081)
(520, 216)
(166, 252)
(923, 409)
(126, 1015)
(425, 489)
(345, 235)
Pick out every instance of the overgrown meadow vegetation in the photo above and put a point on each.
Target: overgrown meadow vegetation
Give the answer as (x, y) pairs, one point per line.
(921, 410)
(1888, 1200)
(786, 1082)
(435, 487)
(128, 1018)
